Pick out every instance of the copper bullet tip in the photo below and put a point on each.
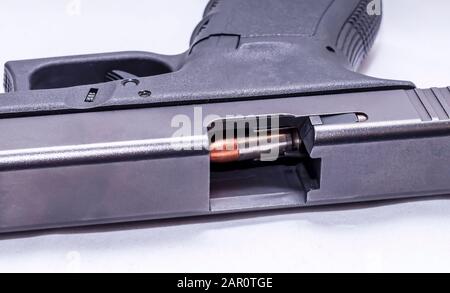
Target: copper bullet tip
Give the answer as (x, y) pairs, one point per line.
(224, 151)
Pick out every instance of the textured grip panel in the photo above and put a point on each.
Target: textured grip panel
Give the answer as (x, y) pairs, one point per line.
(7, 81)
(263, 18)
(358, 33)
(348, 26)
(211, 6)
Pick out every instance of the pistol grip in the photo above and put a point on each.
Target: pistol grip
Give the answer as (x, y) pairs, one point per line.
(346, 27)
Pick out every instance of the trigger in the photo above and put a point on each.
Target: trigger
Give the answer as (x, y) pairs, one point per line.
(119, 75)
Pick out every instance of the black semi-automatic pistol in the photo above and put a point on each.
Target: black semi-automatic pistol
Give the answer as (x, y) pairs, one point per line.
(263, 111)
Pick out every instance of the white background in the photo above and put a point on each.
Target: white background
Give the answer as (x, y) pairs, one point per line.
(401, 236)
